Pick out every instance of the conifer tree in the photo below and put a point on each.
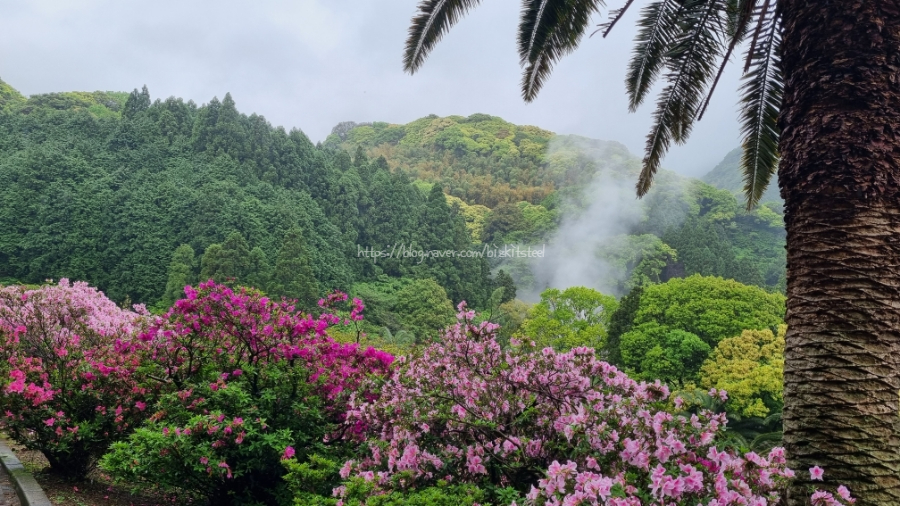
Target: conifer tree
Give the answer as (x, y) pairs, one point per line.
(137, 101)
(621, 322)
(235, 257)
(259, 270)
(505, 281)
(181, 274)
(293, 277)
(228, 262)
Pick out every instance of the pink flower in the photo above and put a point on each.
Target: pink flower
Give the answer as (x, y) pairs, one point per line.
(49, 422)
(288, 453)
(140, 405)
(845, 494)
(816, 473)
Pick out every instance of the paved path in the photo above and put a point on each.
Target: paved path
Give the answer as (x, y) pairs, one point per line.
(7, 492)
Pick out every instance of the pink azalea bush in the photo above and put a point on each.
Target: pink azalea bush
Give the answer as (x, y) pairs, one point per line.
(545, 428)
(67, 376)
(248, 382)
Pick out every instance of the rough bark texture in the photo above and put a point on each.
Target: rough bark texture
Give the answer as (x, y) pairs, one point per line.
(840, 178)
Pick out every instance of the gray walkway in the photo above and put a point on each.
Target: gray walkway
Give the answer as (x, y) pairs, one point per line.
(7, 492)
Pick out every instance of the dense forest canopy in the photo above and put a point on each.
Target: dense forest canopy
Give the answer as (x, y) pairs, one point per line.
(105, 187)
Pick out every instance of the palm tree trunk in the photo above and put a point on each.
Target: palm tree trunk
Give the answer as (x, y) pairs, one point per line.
(840, 178)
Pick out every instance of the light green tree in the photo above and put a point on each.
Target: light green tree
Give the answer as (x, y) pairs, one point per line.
(570, 318)
(423, 308)
(750, 367)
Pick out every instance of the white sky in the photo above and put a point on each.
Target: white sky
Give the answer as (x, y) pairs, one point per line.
(313, 63)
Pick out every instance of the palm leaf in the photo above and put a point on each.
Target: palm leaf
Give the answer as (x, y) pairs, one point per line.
(615, 16)
(658, 28)
(434, 19)
(740, 15)
(548, 30)
(691, 60)
(760, 103)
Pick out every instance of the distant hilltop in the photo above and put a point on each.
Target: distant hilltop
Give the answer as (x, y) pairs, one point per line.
(727, 176)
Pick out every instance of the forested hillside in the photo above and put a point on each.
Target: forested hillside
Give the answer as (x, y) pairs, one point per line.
(512, 192)
(483, 159)
(104, 187)
(727, 176)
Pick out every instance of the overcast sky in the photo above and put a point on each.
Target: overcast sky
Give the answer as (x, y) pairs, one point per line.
(313, 63)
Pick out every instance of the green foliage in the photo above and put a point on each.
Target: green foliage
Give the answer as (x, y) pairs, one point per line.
(657, 352)
(504, 219)
(642, 256)
(686, 318)
(311, 482)
(293, 276)
(190, 442)
(482, 159)
(620, 322)
(750, 367)
(259, 271)
(92, 190)
(720, 238)
(9, 97)
(570, 318)
(442, 494)
(505, 281)
(424, 309)
(181, 274)
(727, 176)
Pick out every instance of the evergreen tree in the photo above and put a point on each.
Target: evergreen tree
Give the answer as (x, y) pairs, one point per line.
(138, 101)
(235, 257)
(293, 277)
(259, 270)
(211, 263)
(181, 274)
(505, 281)
(620, 322)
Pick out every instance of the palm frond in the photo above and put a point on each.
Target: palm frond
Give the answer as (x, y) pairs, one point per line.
(433, 20)
(738, 25)
(615, 15)
(691, 61)
(548, 30)
(760, 103)
(658, 29)
(760, 22)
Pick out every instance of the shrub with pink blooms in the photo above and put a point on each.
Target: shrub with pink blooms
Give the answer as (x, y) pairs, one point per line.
(542, 427)
(249, 382)
(68, 386)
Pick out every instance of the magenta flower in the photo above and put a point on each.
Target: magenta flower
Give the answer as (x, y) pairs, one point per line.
(288, 453)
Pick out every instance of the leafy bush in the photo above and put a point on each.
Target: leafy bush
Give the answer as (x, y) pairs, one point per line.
(751, 368)
(248, 381)
(563, 428)
(679, 322)
(70, 368)
(565, 319)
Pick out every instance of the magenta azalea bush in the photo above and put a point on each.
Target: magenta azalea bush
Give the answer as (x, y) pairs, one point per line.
(68, 361)
(545, 428)
(248, 382)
